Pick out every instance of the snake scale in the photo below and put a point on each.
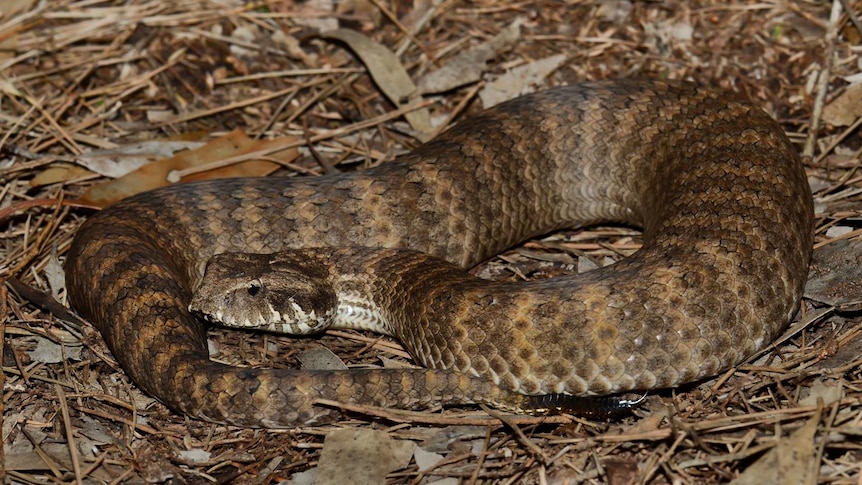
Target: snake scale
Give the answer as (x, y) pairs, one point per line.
(718, 189)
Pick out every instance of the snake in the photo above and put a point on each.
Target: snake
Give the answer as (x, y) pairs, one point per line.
(712, 180)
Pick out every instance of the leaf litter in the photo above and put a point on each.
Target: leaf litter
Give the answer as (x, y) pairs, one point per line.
(231, 155)
(81, 83)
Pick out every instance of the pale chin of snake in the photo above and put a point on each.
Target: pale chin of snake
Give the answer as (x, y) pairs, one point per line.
(717, 187)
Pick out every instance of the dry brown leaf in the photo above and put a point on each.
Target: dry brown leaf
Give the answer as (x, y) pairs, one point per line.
(116, 162)
(321, 358)
(425, 459)
(846, 108)
(361, 456)
(232, 145)
(790, 462)
(834, 275)
(468, 66)
(518, 81)
(646, 424)
(58, 173)
(386, 70)
(48, 351)
(827, 390)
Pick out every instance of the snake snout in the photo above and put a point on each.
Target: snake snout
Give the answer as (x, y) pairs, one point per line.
(281, 297)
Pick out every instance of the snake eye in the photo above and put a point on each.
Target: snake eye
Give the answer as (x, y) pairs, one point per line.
(254, 288)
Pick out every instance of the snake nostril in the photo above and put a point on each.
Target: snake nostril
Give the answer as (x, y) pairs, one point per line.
(253, 288)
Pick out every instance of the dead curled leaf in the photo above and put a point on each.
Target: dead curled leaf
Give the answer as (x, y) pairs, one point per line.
(468, 66)
(116, 162)
(361, 456)
(519, 80)
(827, 390)
(389, 74)
(834, 275)
(232, 145)
(789, 462)
(58, 173)
(845, 109)
(321, 358)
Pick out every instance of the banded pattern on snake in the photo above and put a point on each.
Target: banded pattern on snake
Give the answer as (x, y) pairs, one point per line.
(717, 187)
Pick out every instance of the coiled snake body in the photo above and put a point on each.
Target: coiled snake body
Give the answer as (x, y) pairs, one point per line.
(717, 187)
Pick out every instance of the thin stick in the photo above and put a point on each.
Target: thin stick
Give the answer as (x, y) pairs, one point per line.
(70, 434)
(823, 81)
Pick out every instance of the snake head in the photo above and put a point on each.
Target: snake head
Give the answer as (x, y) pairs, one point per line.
(257, 291)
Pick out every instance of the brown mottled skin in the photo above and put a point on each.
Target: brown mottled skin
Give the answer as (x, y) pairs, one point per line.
(717, 187)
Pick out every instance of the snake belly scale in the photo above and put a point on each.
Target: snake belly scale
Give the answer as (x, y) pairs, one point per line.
(718, 189)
